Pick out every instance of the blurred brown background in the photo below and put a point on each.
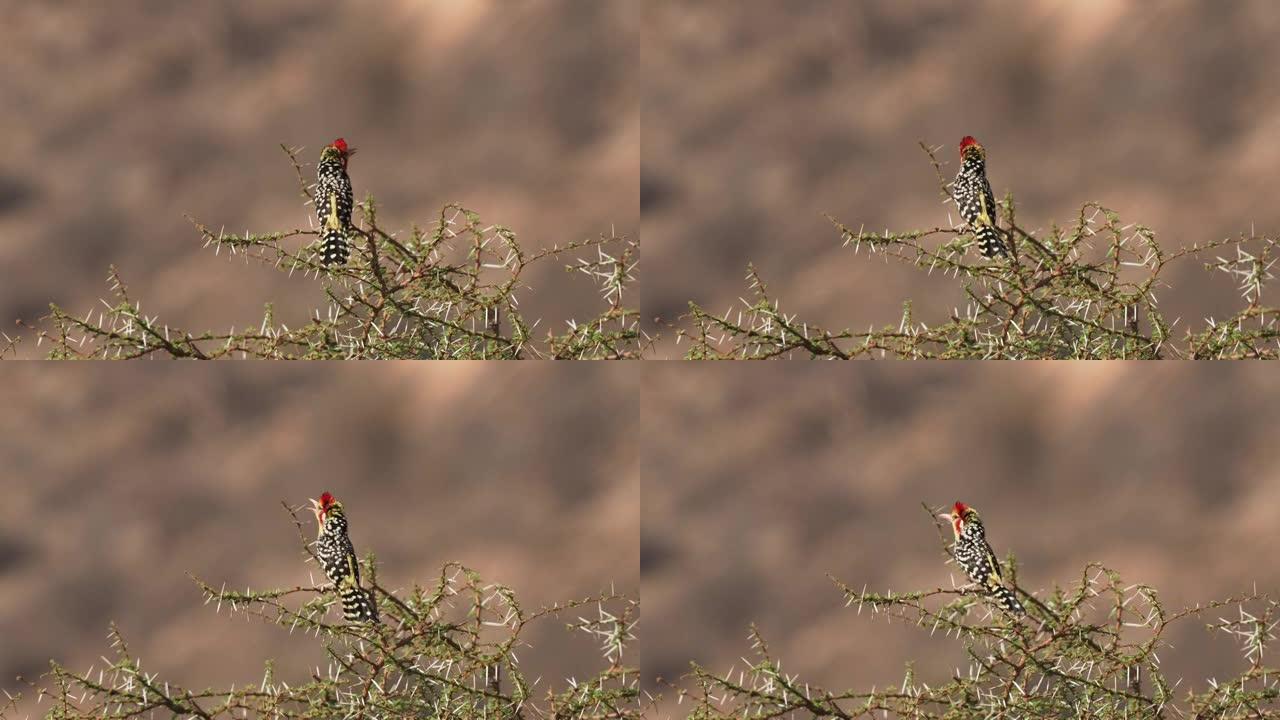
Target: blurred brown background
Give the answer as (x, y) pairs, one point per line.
(762, 115)
(120, 118)
(758, 481)
(117, 482)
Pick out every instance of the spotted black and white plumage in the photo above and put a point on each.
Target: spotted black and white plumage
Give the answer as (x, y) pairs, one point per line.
(973, 554)
(338, 560)
(972, 194)
(334, 200)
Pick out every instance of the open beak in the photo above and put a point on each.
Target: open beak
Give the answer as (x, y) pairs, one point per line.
(316, 509)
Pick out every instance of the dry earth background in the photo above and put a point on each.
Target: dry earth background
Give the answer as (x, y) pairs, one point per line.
(122, 117)
(760, 116)
(758, 481)
(116, 483)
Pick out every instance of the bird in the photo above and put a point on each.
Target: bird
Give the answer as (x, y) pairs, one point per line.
(972, 553)
(972, 194)
(338, 559)
(334, 200)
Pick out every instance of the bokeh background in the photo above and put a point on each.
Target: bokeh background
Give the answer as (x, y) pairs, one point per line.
(759, 481)
(119, 119)
(118, 482)
(761, 116)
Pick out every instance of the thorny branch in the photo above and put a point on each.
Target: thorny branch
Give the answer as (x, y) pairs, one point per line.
(448, 650)
(1091, 649)
(1088, 290)
(449, 291)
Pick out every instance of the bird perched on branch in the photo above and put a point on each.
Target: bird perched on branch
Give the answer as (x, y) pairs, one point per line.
(974, 555)
(338, 559)
(972, 193)
(334, 200)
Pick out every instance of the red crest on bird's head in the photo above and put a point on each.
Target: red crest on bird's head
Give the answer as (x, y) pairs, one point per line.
(345, 151)
(958, 516)
(321, 509)
(970, 142)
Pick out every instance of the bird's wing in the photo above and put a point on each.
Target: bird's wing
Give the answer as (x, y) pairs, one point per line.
(353, 570)
(332, 222)
(993, 578)
(987, 206)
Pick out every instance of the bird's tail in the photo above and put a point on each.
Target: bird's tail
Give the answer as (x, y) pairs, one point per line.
(357, 605)
(990, 242)
(334, 248)
(1007, 600)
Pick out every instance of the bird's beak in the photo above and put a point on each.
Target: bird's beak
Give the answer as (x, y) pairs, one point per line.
(315, 507)
(941, 515)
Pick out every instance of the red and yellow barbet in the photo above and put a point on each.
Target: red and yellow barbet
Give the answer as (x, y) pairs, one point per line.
(338, 559)
(974, 556)
(334, 201)
(972, 193)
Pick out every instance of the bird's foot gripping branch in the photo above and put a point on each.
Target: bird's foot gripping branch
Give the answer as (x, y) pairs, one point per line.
(450, 650)
(1093, 649)
(452, 290)
(1087, 290)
